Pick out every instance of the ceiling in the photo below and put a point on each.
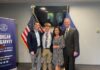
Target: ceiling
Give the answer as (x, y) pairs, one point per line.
(47, 1)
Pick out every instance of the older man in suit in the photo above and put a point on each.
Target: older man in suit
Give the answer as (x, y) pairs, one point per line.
(71, 49)
(34, 43)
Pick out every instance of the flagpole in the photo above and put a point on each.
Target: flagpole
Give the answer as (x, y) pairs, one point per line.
(33, 11)
(68, 7)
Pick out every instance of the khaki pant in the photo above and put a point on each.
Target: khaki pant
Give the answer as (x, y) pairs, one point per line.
(47, 58)
(36, 60)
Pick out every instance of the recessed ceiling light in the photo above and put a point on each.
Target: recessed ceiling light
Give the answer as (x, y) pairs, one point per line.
(43, 8)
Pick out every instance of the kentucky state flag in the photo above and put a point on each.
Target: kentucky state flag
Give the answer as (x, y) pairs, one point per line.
(66, 15)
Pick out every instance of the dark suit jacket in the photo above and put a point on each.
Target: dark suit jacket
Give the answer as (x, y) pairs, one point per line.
(32, 41)
(71, 42)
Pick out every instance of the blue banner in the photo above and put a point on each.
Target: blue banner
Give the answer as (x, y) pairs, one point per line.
(7, 44)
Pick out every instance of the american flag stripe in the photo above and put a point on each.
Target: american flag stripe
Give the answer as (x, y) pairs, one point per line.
(27, 29)
(25, 32)
(24, 40)
(24, 37)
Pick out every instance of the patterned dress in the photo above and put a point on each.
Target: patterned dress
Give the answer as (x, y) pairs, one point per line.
(58, 58)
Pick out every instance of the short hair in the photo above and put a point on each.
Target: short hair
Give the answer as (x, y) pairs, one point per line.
(67, 19)
(47, 24)
(36, 22)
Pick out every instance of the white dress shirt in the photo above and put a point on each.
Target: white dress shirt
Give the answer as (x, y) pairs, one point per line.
(48, 40)
(37, 37)
(66, 31)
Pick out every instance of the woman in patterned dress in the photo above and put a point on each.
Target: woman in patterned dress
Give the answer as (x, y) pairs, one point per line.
(58, 45)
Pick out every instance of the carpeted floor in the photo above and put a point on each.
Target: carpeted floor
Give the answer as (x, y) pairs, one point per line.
(27, 66)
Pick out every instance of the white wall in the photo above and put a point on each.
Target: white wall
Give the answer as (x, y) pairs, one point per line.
(87, 20)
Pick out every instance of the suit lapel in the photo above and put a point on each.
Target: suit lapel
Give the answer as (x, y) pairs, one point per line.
(68, 34)
(34, 34)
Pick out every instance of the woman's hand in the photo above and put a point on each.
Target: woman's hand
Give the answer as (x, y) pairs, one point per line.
(55, 46)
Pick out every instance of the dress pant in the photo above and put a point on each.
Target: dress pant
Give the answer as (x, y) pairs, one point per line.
(36, 60)
(47, 58)
(69, 62)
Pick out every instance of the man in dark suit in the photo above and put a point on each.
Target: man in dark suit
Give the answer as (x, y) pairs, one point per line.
(71, 49)
(34, 43)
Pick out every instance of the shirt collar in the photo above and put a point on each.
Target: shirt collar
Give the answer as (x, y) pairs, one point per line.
(68, 28)
(48, 31)
(35, 30)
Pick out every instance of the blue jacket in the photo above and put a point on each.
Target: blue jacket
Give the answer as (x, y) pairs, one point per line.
(32, 41)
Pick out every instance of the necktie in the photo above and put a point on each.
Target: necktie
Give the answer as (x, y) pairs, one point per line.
(46, 40)
(66, 33)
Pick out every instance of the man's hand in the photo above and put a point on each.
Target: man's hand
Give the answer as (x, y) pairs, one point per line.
(75, 53)
(32, 53)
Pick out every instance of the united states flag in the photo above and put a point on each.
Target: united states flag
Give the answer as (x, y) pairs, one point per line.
(28, 28)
